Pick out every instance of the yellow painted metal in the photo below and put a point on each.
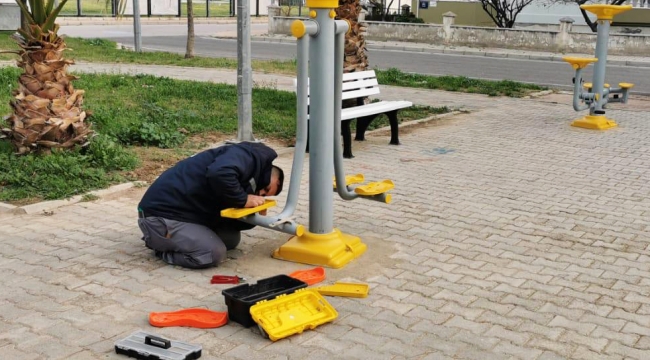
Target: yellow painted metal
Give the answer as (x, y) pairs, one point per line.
(375, 188)
(235, 213)
(579, 63)
(334, 250)
(625, 85)
(605, 12)
(322, 4)
(590, 85)
(350, 179)
(344, 289)
(312, 14)
(291, 314)
(595, 122)
(332, 14)
(298, 29)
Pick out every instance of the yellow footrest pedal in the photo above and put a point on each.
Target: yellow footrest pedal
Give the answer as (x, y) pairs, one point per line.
(350, 179)
(625, 85)
(375, 188)
(344, 289)
(236, 213)
(579, 63)
(291, 314)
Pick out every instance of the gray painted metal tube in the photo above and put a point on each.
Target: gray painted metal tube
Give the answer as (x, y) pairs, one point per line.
(321, 131)
(341, 188)
(289, 227)
(137, 29)
(244, 73)
(577, 92)
(600, 66)
(301, 122)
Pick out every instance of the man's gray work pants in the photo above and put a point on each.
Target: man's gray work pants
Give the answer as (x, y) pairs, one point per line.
(185, 244)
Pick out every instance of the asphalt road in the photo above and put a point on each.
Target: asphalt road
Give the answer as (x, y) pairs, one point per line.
(172, 38)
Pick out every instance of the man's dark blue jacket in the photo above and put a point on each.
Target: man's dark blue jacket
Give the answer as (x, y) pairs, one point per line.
(196, 189)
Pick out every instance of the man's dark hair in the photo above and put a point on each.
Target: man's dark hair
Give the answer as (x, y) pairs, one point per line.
(280, 174)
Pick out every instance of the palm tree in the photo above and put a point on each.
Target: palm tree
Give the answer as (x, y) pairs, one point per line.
(47, 110)
(355, 40)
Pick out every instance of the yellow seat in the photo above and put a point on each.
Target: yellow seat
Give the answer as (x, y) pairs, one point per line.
(375, 188)
(579, 63)
(605, 12)
(350, 179)
(590, 85)
(235, 213)
(626, 85)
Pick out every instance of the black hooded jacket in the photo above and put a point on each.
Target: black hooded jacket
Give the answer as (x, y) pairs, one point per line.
(196, 189)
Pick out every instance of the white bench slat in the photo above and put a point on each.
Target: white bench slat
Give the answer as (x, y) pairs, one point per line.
(373, 108)
(359, 93)
(359, 84)
(368, 74)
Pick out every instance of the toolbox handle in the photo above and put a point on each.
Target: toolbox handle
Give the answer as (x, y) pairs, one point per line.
(157, 342)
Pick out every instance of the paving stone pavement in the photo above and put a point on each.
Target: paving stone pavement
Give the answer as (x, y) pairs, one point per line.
(511, 236)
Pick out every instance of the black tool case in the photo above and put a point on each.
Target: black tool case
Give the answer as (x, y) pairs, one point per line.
(142, 345)
(239, 299)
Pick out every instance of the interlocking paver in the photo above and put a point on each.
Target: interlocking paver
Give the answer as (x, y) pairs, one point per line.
(528, 241)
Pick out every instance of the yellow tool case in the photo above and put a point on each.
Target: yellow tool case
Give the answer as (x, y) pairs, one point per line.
(292, 314)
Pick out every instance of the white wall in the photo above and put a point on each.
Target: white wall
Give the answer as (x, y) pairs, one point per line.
(540, 12)
(158, 7)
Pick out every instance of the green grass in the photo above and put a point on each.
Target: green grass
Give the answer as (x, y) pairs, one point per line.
(456, 83)
(61, 174)
(103, 8)
(101, 50)
(142, 110)
(216, 10)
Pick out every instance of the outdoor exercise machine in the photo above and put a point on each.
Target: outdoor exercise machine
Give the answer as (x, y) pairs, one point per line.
(320, 45)
(598, 94)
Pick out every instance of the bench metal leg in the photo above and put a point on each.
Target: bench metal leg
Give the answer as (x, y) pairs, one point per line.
(347, 139)
(362, 126)
(364, 122)
(394, 127)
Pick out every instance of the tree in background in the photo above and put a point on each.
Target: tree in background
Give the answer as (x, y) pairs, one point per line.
(592, 25)
(46, 109)
(189, 51)
(355, 40)
(504, 12)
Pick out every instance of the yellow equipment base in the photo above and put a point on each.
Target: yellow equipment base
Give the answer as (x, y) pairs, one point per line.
(596, 122)
(334, 250)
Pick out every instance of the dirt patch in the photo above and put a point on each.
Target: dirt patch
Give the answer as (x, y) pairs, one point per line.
(154, 161)
(256, 262)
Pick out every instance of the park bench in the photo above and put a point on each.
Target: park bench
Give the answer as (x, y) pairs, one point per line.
(357, 86)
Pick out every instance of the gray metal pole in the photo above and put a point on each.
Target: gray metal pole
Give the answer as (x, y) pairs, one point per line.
(321, 129)
(600, 66)
(302, 87)
(341, 27)
(137, 30)
(244, 73)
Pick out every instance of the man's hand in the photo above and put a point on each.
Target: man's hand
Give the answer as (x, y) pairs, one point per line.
(254, 200)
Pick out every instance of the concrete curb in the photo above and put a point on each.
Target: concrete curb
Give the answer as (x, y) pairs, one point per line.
(43, 206)
(416, 122)
(489, 53)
